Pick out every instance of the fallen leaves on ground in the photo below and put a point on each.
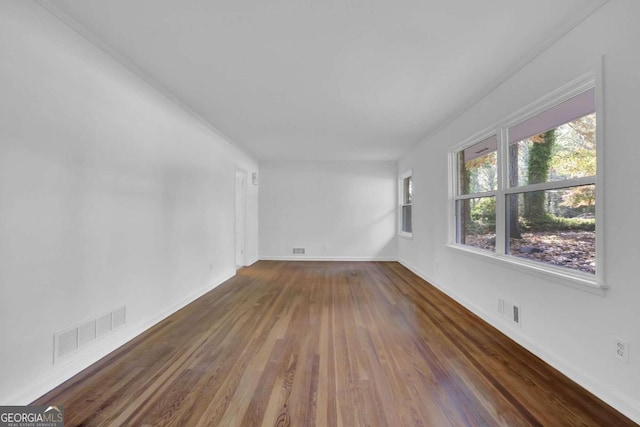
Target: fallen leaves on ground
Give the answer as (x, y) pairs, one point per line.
(570, 249)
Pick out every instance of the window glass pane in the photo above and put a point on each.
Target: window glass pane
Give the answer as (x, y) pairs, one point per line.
(579, 106)
(477, 222)
(555, 227)
(565, 152)
(477, 170)
(406, 219)
(407, 187)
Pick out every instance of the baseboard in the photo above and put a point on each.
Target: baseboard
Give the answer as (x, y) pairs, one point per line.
(620, 401)
(326, 258)
(73, 365)
(252, 261)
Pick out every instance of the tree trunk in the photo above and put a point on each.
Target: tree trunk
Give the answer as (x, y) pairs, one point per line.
(539, 163)
(514, 223)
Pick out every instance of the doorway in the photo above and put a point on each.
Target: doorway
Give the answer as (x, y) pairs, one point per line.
(241, 213)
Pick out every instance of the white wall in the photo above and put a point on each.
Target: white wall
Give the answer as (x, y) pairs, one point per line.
(336, 210)
(571, 329)
(110, 195)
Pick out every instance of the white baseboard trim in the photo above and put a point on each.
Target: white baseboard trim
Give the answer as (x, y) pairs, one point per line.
(252, 261)
(74, 364)
(620, 401)
(325, 258)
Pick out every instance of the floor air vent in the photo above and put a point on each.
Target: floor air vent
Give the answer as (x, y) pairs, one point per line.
(73, 339)
(298, 251)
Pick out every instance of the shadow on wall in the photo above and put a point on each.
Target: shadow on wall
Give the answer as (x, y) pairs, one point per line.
(379, 235)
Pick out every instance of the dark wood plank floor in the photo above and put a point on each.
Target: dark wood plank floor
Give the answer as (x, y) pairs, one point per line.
(326, 344)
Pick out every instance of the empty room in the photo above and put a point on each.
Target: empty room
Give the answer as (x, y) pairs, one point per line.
(319, 213)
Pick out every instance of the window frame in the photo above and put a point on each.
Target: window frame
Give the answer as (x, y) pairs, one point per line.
(590, 282)
(402, 204)
(491, 193)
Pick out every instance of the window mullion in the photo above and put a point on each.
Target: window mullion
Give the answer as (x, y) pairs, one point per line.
(503, 176)
(476, 195)
(552, 185)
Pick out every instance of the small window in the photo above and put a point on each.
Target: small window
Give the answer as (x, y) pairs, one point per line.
(406, 202)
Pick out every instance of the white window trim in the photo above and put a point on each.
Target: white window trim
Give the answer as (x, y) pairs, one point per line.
(401, 178)
(576, 279)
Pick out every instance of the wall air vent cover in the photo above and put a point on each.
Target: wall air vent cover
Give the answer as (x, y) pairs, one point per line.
(75, 338)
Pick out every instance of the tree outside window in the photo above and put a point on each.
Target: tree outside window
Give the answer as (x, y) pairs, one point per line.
(547, 192)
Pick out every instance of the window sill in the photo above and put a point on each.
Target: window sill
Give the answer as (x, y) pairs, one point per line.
(577, 280)
(406, 235)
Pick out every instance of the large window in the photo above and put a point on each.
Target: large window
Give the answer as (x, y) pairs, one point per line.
(527, 192)
(406, 204)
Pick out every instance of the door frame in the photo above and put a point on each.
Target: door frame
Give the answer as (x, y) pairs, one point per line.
(240, 223)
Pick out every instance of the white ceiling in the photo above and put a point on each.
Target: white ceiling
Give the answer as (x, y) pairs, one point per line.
(324, 79)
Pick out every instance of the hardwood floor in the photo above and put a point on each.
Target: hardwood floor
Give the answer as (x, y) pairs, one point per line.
(326, 344)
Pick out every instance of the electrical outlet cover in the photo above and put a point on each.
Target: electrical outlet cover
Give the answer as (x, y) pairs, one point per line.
(622, 350)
